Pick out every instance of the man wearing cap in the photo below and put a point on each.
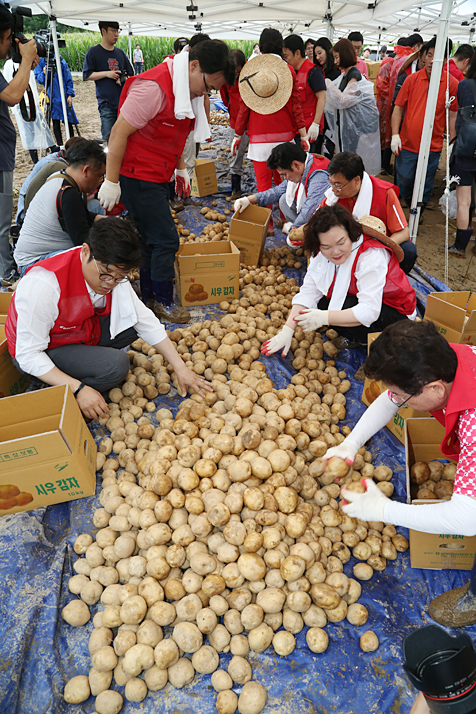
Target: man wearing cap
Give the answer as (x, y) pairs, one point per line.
(270, 107)
(305, 181)
(156, 113)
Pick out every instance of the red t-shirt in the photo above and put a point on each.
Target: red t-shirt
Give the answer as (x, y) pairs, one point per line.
(412, 99)
(454, 71)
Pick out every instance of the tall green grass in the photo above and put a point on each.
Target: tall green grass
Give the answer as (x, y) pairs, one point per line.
(154, 49)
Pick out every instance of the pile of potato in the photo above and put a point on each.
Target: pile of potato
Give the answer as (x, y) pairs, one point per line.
(433, 480)
(218, 117)
(285, 257)
(221, 523)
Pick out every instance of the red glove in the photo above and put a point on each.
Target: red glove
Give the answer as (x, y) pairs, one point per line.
(182, 183)
(305, 143)
(235, 145)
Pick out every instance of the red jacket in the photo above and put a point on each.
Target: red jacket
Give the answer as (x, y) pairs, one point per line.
(319, 163)
(156, 159)
(454, 71)
(462, 397)
(397, 291)
(279, 127)
(78, 321)
(307, 96)
(230, 96)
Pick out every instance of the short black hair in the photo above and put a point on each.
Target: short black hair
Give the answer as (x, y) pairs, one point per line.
(214, 56)
(423, 49)
(326, 45)
(295, 43)
(180, 43)
(199, 37)
(414, 39)
(271, 42)
(6, 20)
(409, 355)
(106, 24)
(431, 44)
(309, 41)
(323, 220)
(238, 57)
(346, 52)
(283, 155)
(383, 48)
(85, 151)
(356, 37)
(115, 242)
(471, 71)
(348, 164)
(402, 42)
(464, 52)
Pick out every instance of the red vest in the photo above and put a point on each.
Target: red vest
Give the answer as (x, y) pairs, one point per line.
(307, 96)
(462, 397)
(78, 321)
(156, 159)
(319, 163)
(397, 291)
(230, 95)
(278, 127)
(378, 206)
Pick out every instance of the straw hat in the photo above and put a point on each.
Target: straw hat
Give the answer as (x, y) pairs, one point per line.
(266, 83)
(375, 228)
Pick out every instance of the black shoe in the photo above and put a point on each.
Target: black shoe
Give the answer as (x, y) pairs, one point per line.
(235, 186)
(164, 305)
(10, 279)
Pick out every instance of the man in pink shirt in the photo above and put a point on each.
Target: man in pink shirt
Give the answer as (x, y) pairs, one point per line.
(357, 40)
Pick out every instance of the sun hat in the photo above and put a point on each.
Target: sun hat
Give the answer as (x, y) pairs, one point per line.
(375, 228)
(266, 83)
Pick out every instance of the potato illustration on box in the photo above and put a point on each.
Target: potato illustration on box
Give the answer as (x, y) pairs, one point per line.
(11, 496)
(372, 392)
(196, 293)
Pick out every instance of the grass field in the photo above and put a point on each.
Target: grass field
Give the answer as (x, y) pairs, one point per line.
(154, 49)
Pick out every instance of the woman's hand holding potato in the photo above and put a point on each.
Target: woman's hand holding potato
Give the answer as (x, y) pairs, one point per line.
(186, 378)
(346, 451)
(368, 506)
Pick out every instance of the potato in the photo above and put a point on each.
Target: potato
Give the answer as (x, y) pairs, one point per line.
(323, 595)
(336, 467)
(221, 680)
(444, 488)
(239, 670)
(369, 641)
(252, 699)
(109, 702)
(382, 473)
(76, 613)
(357, 614)
(449, 472)
(77, 690)
(363, 571)
(317, 639)
(420, 472)
(205, 660)
(135, 690)
(181, 673)
(284, 643)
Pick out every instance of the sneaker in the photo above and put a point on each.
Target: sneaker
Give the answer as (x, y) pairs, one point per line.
(12, 277)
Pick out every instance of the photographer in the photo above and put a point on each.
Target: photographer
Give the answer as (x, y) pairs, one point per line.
(54, 94)
(57, 218)
(108, 67)
(10, 94)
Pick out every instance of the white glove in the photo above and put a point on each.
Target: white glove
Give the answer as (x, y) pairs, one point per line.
(310, 320)
(182, 183)
(241, 203)
(287, 227)
(281, 340)
(109, 194)
(346, 450)
(235, 145)
(368, 506)
(313, 131)
(305, 143)
(396, 144)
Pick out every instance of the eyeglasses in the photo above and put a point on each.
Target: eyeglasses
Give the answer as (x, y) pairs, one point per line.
(339, 188)
(208, 90)
(398, 401)
(107, 278)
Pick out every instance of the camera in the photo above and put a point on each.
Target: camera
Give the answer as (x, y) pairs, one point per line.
(123, 76)
(17, 32)
(44, 40)
(443, 668)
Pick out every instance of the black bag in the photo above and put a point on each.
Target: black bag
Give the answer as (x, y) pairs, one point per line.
(466, 139)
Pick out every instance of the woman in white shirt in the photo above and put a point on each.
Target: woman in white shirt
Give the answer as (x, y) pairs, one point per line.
(353, 283)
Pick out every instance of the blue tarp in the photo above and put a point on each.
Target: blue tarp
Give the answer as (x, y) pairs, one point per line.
(39, 652)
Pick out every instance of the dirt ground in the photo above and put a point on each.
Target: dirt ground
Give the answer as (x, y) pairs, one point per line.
(431, 234)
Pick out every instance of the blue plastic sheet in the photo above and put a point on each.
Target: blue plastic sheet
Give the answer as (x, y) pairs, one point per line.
(39, 652)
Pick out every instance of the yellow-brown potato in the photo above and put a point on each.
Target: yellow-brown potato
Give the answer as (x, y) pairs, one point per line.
(420, 472)
(369, 641)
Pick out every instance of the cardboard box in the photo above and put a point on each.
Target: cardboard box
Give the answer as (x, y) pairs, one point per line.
(454, 315)
(46, 450)
(373, 69)
(11, 380)
(429, 550)
(248, 231)
(204, 180)
(5, 300)
(207, 273)
(372, 390)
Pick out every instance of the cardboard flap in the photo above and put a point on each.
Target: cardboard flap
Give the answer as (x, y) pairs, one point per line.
(451, 314)
(471, 311)
(5, 300)
(250, 222)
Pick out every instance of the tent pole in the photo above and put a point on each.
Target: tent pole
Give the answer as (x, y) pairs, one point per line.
(130, 43)
(54, 37)
(428, 122)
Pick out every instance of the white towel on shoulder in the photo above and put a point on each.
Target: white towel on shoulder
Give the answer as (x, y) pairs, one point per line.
(184, 107)
(364, 199)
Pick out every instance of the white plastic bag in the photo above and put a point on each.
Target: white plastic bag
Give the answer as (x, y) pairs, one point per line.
(359, 121)
(452, 205)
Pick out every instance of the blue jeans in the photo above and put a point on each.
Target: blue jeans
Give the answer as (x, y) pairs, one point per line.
(108, 118)
(22, 269)
(137, 67)
(405, 168)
